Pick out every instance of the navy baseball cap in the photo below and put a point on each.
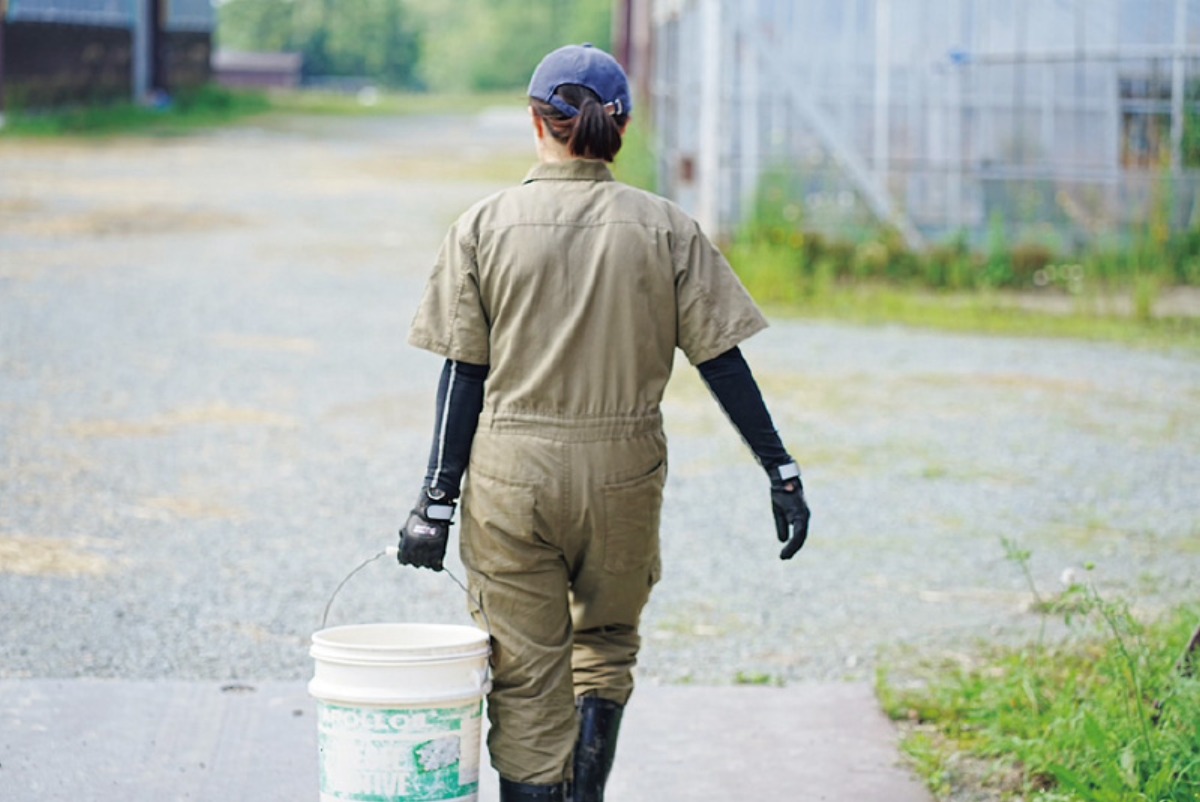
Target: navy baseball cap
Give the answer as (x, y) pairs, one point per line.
(586, 66)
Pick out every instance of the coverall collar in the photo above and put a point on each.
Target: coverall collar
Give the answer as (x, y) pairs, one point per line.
(572, 170)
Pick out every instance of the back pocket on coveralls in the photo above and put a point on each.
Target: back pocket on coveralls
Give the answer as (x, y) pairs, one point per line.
(497, 531)
(632, 511)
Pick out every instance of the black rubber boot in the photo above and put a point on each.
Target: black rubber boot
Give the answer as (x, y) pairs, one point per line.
(521, 792)
(599, 721)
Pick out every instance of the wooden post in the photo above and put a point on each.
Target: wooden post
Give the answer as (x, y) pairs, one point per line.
(623, 34)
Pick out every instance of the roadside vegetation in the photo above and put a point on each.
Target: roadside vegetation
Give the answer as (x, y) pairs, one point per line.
(417, 45)
(214, 106)
(203, 108)
(1110, 713)
(1113, 291)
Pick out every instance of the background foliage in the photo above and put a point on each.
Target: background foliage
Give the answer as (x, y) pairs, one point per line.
(442, 45)
(495, 44)
(375, 38)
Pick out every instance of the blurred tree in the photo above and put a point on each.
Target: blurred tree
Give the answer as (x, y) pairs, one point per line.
(495, 44)
(251, 25)
(372, 38)
(442, 44)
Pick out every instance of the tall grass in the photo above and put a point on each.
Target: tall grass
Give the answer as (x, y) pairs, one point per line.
(1109, 291)
(1106, 715)
(952, 265)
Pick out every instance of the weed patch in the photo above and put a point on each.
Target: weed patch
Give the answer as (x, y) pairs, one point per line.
(1112, 290)
(983, 311)
(757, 678)
(1111, 713)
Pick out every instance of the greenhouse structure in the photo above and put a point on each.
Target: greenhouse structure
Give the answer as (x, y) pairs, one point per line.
(1067, 120)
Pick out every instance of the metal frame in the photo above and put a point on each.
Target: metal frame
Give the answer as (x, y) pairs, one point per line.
(932, 116)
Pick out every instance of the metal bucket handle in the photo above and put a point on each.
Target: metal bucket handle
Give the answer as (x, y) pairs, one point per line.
(392, 551)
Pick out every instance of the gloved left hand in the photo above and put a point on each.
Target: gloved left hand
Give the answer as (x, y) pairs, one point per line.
(791, 510)
(424, 535)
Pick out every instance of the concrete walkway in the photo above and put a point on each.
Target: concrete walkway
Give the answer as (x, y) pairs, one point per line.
(171, 740)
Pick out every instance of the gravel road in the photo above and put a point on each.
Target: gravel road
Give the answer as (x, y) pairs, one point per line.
(208, 416)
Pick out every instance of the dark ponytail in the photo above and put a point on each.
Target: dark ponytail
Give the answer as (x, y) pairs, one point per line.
(593, 133)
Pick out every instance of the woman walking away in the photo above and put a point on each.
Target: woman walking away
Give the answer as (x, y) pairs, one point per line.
(558, 305)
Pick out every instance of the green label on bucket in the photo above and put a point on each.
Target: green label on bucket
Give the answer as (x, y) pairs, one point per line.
(372, 754)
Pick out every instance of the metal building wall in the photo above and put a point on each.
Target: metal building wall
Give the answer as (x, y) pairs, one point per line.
(1058, 117)
(186, 43)
(65, 51)
(55, 52)
(192, 15)
(111, 13)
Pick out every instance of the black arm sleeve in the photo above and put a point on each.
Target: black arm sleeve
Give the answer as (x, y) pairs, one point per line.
(731, 382)
(459, 402)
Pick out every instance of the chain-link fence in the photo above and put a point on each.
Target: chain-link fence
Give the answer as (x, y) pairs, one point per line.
(1057, 119)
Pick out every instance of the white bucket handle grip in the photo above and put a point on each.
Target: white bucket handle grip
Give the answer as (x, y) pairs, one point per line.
(392, 551)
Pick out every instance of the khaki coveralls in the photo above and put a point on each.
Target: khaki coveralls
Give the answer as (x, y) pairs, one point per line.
(576, 290)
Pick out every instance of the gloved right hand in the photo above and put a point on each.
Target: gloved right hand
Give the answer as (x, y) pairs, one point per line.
(790, 508)
(424, 535)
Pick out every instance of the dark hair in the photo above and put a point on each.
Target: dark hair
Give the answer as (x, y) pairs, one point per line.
(593, 133)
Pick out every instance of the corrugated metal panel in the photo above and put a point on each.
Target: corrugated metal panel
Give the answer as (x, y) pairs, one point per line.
(112, 13)
(178, 15)
(189, 15)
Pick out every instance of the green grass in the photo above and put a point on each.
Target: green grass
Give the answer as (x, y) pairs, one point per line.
(212, 106)
(757, 678)
(1109, 290)
(777, 285)
(385, 104)
(1103, 716)
(202, 108)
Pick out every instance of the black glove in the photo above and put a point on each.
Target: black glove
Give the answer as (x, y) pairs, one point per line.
(423, 536)
(791, 511)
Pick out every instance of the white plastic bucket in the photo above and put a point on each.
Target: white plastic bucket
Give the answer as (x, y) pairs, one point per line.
(399, 711)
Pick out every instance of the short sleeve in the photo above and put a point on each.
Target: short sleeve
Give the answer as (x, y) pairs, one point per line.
(714, 311)
(451, 320)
